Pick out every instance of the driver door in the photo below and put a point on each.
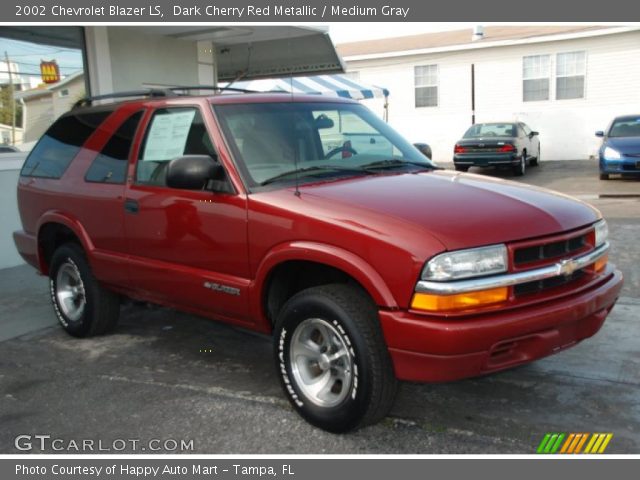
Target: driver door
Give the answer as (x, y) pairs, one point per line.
(188, 247)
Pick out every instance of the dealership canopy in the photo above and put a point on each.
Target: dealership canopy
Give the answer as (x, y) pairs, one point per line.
(331, 85)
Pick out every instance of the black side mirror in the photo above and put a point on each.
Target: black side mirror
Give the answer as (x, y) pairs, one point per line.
(192, 172)
(599, 133)
(534, 133)
(424, 149)
(323, 122)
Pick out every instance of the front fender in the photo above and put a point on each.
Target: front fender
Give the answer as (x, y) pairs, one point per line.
(330, 255)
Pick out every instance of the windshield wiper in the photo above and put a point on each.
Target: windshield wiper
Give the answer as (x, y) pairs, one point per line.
(395, 162)
(337, 168)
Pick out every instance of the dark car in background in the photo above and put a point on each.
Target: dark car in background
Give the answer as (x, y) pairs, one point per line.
(620, 149)
(507, 144)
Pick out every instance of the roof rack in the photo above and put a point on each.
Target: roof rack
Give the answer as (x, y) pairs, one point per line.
(149, 92)
(211, 87)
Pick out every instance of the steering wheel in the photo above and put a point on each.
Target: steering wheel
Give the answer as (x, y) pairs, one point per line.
(343, 148)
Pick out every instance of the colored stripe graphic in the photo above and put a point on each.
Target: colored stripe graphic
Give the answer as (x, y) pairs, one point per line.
(572, 443)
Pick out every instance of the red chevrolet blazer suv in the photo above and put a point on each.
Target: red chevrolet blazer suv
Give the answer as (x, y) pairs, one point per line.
(309, 219)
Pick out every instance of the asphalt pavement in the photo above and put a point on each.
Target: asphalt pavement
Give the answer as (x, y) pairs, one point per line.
(166, 375)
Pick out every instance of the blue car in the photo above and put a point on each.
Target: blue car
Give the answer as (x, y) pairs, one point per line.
(620, 150)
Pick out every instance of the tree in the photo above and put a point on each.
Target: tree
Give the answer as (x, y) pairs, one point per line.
(5, 107)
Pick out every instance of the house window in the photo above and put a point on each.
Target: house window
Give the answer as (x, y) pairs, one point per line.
(535, 78)
(426, 83)
(64, 92)
(570, 73)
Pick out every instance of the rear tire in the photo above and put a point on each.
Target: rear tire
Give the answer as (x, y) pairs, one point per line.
(334, 365)
(521, 168)
(604, 176)
(83, 307)
(462, 168)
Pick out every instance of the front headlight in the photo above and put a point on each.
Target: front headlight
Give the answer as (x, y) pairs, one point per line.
(611, 154)
(474, 262)
(602, 232)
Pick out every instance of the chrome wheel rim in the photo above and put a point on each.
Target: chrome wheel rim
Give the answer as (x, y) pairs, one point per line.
(321, 362)
(70, 293)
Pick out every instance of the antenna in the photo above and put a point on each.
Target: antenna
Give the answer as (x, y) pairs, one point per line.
(293, 127)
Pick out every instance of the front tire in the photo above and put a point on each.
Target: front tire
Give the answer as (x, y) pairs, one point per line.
(332, 359)
(83, 307)
(535, 161)
(604, 176)
(462, 168)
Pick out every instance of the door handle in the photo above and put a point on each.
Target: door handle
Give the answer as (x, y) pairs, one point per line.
(131, 206)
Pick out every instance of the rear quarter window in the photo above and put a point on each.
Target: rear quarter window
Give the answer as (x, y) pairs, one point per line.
(110, 166)
(60, 144)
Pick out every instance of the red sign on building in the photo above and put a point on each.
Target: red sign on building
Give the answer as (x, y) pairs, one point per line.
(49, 71)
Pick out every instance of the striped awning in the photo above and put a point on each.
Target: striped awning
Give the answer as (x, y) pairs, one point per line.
(331, 85)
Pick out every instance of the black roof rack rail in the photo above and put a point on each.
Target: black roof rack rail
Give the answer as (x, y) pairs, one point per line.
(149, 92)
(211, 87)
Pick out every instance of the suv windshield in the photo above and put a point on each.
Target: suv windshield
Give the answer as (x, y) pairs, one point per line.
(491, 130)
(279, 142)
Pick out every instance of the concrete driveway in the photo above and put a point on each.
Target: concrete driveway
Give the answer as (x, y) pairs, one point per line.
(168, 375)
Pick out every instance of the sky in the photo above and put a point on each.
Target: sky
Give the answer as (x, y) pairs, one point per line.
(28, 55)
(353, 32)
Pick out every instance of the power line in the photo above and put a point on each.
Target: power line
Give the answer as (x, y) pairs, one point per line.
(32, 74)
(34, 47)
(50, 52)
(37, 65)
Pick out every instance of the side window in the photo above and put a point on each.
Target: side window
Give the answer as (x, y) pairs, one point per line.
(61, 143)
(110, 166)
(172, 133)
(526, 129)
(426, 85)
(536, 72)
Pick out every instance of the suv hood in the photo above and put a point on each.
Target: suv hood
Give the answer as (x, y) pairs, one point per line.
(460, 210)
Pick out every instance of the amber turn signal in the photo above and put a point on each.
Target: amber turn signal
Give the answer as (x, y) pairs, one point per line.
(460, 301)
(601, 263)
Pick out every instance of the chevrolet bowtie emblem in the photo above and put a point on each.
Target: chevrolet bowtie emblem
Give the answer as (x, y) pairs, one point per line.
(567, 267)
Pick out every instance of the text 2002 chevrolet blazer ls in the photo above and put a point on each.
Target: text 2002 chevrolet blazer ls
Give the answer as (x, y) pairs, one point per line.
(310, 219)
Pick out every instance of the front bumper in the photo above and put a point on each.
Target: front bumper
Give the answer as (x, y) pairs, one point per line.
(433, 349)
(626, 165)
(491, 159)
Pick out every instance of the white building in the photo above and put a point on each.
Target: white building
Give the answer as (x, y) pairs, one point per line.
(41, 106)
(564, 81)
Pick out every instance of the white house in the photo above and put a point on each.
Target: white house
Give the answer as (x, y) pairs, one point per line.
(41, 106)
(564, 81)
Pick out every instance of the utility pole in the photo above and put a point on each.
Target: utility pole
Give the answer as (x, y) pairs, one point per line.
(12, 100)
(473, 94)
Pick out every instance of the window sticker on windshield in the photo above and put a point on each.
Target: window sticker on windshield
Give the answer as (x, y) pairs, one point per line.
(168, 135)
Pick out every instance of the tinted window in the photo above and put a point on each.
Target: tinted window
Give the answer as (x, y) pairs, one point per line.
(60, 144)
(172, 133)
(110, 166)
